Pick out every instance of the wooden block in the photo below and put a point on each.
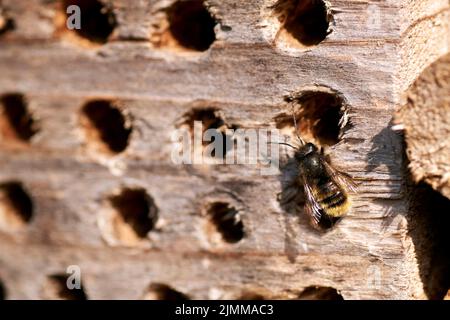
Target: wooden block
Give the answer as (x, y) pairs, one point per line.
(151, 77)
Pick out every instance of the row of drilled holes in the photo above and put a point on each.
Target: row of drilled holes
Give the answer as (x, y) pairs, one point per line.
(134, 214)
(191, 26)
(108, 129)
(103, 122)
(56, 288)
(137, 212)
(105, 125)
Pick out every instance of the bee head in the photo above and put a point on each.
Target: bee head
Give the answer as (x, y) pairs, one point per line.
(305, 150)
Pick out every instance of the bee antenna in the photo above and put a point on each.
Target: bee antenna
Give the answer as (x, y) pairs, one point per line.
(284, 144)
(296, 128)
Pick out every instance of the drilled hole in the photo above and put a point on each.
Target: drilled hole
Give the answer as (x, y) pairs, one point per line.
(6, 23)
(56, 288)
(105, 126)
(159, 291)
(302, 22)
(226, 221)
(16, 206)
(97, 20)
(16, 122)
(320, 293)
(2, 291)
(425, 122)
(321, 117)
(210, 118)
(134, 215)
(190, 27)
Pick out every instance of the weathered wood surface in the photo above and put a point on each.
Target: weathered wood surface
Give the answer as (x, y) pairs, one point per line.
(378, 251)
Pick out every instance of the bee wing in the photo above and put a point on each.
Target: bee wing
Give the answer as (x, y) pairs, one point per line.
(312, 207)
(341, 178)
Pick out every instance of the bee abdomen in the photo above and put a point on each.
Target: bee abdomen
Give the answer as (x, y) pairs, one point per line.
(333, 200)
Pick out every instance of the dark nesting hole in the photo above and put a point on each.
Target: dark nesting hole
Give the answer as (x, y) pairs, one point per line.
(106, 124)
(2, 291)
(6, 23)
(227, 221)
(191, 25)
(16, 206)
(97, 20)
(321, 116)
(251, 296)
(211, 119)
(159, 291)
(16, 122)
(306, 21)
(292, 200)
(57, 288)
(320, 293)
(136, 209)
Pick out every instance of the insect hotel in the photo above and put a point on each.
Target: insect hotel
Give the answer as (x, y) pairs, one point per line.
(92, 93)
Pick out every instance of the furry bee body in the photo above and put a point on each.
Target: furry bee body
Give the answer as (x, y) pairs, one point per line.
(325, 188)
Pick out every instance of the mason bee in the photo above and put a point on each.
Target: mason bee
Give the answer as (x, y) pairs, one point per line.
(326, 189)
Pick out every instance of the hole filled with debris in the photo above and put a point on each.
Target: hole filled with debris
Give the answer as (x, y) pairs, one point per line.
(160, 291)
(320, 293)
(97, 21)
(16, 206)
(16, 122)
(189, 26)
(321, 116)
(58, 287)
(302, 22)
(106, 128)
(226, 221)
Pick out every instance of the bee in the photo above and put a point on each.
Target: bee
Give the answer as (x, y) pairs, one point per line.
(326, 189)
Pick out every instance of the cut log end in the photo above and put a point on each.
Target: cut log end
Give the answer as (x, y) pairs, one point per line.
(426, 120)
